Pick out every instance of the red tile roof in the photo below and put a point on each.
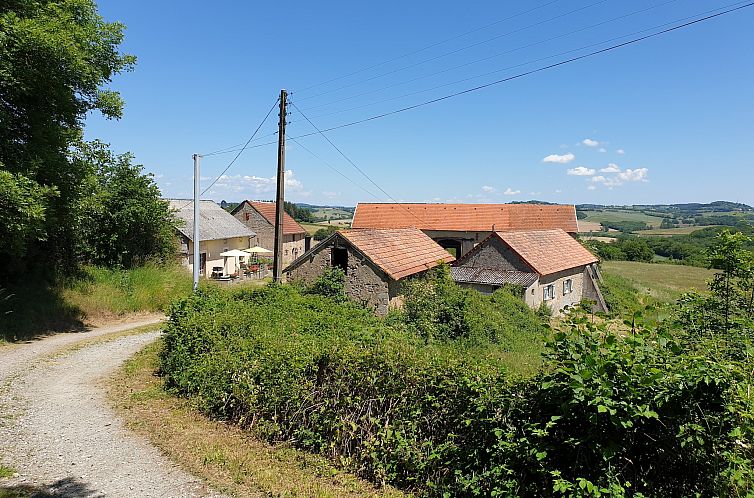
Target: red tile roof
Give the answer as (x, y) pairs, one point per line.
(398, 252)
(547, 251)
(267, 210)
(466, 217)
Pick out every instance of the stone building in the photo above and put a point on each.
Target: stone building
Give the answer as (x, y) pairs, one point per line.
(260, 217)
(375, 262)
(549, 265)
(459, 227)
(218, 232)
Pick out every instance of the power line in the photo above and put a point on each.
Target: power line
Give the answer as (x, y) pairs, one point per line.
(353, 163)
(585, 28)
(326, 163)
(408, 54)
(410, 66)
(533, 71)
(234, 148)
(240, 151)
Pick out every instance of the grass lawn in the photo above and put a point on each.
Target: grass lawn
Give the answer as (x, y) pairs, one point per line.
(621, 215)
(227, 458)
(663, 282)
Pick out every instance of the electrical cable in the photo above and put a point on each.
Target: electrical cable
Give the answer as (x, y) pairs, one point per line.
(240, 151)
(533, 71)
(411, 66)
(408, 54)
(355, 165)
(234, 148)
(484, 59)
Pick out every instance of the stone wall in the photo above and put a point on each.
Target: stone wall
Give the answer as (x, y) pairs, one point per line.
(364, 283)
(467, 239)
(497, 255)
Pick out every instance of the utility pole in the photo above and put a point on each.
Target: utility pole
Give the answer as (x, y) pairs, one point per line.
(197, 193)
(277, 265)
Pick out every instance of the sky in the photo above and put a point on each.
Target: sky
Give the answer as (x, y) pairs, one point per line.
(668, 119)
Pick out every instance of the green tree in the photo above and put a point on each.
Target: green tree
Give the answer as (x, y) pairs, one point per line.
(637, 250)
(55, 59)
(126, 221)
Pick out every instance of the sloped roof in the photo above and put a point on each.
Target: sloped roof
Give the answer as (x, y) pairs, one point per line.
(267, 210)
(547, 251)
(466, 217)
(214, 222)
(490, 276)
(398, 252)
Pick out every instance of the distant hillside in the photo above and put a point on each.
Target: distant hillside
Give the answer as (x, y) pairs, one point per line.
(691, 208)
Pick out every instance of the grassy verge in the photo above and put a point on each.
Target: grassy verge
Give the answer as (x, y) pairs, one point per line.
(6, 471)
(95, 296)
(226, 457)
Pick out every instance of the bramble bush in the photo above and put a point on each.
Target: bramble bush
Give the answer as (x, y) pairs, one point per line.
(442, 415)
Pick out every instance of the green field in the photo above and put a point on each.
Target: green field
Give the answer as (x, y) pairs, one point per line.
(608, 215)
(668, 232)
(332, 213)
(663, 282)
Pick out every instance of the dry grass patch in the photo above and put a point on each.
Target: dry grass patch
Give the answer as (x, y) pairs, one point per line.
(227, 458)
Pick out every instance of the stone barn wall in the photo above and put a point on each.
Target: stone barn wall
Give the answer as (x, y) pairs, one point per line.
(364, 283)
(293, 244)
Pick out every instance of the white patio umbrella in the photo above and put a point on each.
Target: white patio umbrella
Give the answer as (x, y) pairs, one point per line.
(256, 251)
(234, 253)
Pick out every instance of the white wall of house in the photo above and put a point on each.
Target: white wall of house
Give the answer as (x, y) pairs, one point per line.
(553, 290)
(211, 250)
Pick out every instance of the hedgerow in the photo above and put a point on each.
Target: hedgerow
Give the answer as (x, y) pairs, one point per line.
(442, 416)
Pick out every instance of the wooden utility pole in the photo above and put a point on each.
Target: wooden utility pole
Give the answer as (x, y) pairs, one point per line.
(277, 266)
(197, 204)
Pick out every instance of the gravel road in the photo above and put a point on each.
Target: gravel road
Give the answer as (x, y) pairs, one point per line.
(59, 433)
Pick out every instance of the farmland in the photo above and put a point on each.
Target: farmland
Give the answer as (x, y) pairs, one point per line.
(661, 281)
(618, 215)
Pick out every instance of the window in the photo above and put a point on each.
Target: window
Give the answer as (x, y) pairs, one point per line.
(340, 258)
(549, 292)
(567, 286)
(248, 216)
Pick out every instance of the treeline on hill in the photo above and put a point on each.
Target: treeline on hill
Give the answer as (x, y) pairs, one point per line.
(687, 249)
(433, 398)
(64, 201)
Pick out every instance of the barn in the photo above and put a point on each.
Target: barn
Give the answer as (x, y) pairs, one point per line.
(550, 266)
(459, 227)
(375, 262)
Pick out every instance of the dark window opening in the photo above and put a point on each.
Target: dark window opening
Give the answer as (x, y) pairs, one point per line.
(453, 246)
(340, 258)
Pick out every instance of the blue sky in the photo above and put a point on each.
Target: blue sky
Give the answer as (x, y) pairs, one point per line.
(670, 119)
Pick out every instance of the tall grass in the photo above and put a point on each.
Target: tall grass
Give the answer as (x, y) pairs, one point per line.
(95, 294)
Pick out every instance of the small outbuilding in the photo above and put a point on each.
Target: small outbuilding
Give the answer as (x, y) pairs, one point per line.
(549, 265)
(374, 261)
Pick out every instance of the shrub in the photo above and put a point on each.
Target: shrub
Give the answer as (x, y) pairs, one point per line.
(332, 284)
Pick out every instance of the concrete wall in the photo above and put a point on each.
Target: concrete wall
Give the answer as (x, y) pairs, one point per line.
(212, 248)
(364, 283)
(293, 244)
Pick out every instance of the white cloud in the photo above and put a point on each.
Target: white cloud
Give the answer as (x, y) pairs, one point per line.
(611, 168)
(559, 159)
(251, 184)
(581, 171)
(602, 149)
(634, 175)
(488, 189)
(590, 143)
(620, 151)
(331, 195)
(591, 187)
(510, 191)
(629, 175)
(557, 191)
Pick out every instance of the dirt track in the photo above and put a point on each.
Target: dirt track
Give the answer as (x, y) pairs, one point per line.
(60, 435)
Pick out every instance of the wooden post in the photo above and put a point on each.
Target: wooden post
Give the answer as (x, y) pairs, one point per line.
(277, 265)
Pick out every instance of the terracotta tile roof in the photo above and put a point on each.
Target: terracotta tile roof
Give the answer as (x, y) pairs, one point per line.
(547, 251)
(398, 252)
(267, 210)
(466, 217)
(490, 276)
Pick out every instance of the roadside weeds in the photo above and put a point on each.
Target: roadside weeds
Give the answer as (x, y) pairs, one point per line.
(227, 458)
